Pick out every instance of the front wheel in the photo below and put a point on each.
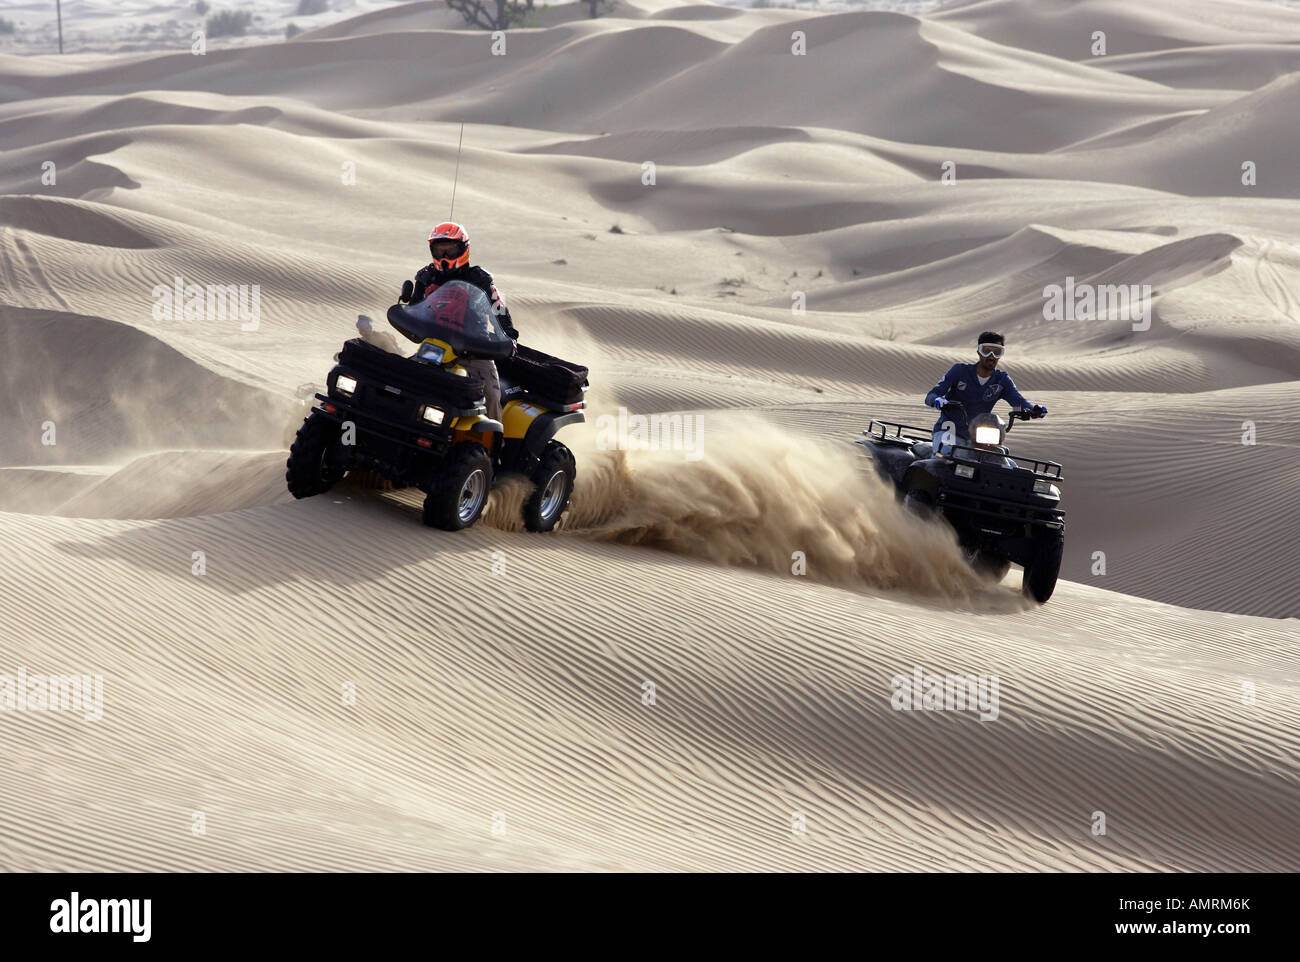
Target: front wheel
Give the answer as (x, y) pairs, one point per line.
(553, 482)
(313, 466)
(460, 488)
(1044, 567)
(920, 502)
(988, 565)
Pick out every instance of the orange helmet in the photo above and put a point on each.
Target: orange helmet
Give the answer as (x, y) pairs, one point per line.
(449, 232)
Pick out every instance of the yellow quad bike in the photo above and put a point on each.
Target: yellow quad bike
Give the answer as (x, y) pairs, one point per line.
(422, 420)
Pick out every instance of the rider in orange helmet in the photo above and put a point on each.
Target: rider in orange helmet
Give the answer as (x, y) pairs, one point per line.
(449, 247)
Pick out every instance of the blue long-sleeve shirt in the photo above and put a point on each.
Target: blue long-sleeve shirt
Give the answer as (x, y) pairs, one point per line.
(962, 383)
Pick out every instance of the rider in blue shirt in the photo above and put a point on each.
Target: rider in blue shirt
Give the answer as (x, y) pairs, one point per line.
(977, 388)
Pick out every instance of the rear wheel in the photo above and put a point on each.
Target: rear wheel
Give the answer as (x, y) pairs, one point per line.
(1044, 567)
(313, 466)
(553, 480)
(460, 488)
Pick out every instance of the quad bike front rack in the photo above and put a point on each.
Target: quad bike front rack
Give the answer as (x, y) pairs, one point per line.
(892, 432)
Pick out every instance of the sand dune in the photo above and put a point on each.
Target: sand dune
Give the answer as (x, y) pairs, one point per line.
(425, 15)
(1244, 69)
(1066, 30)
(183, 484)
(155, 544)
(149, 395)
(455, 720)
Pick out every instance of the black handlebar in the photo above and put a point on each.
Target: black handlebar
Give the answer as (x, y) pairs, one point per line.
(1012, 416)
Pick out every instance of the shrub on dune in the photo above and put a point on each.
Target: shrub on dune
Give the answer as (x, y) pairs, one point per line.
(228, 23)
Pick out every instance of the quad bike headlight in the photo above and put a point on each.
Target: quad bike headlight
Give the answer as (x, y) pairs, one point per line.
(988, 434)
(964, 471)
(1046, 487)
(433, 415)
(346, 385)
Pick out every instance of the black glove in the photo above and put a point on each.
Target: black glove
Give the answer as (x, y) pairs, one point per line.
(1038, 411)
(508, 326)
(407, 290)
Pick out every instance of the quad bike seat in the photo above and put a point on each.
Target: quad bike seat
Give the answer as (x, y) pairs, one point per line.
(923, 450)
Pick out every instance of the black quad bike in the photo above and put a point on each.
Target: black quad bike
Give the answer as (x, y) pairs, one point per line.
(1003, 510)
(422, 420)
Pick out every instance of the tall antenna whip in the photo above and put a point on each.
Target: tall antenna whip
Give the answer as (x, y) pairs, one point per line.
(457, 177)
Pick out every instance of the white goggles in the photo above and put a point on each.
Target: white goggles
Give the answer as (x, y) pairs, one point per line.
(991, 350)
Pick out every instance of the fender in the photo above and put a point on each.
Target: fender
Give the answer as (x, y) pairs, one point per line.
(477, 428)
(544, 427)
(923, 476)
(476, 423)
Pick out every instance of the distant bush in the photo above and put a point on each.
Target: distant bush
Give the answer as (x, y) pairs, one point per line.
(491, 14)
(6, 26)
(201, 7)
(292, 31)
(308, 7)
(228, 23)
